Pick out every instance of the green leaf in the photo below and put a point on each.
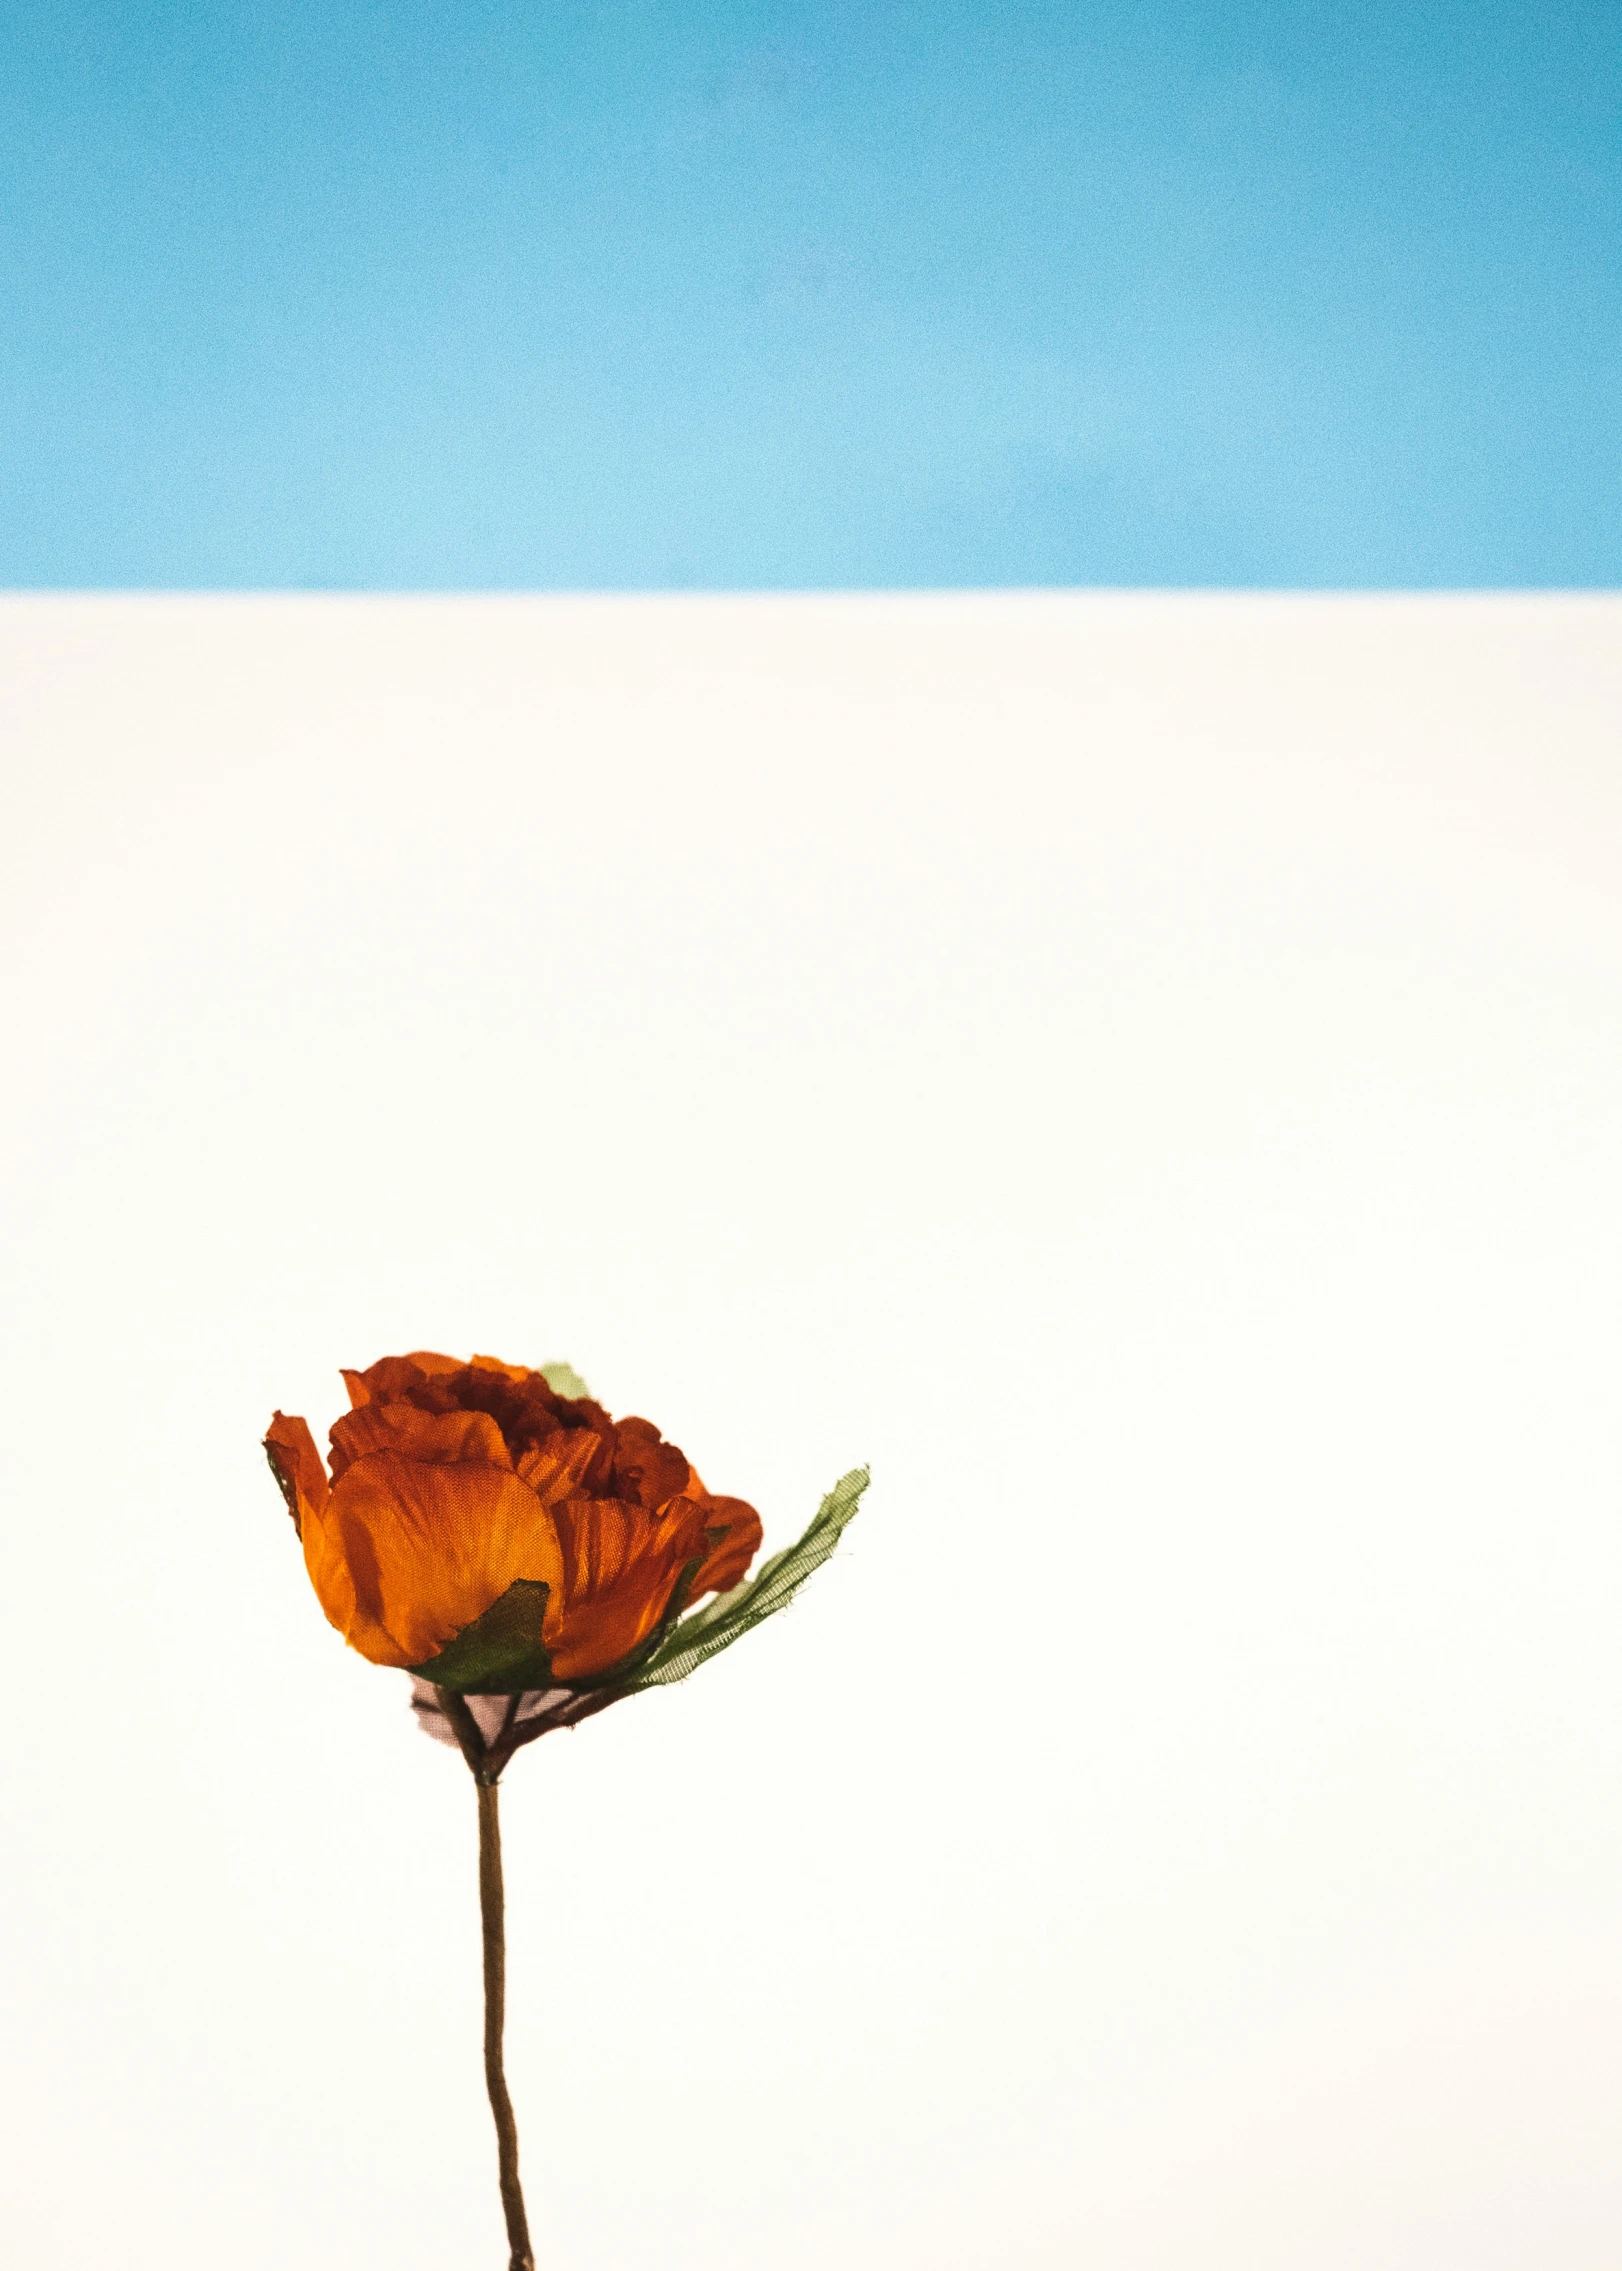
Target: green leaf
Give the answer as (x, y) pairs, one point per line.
(703, 1634)
(499, 1653)
(564, 1380)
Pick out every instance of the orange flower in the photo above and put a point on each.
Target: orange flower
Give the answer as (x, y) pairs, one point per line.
(496, 1535)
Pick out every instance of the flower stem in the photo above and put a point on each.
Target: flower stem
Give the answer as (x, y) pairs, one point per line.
(492, 1911)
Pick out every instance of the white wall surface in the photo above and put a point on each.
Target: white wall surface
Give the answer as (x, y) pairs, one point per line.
(1143, 1071)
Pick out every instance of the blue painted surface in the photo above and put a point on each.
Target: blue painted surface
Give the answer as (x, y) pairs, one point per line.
(849, 293)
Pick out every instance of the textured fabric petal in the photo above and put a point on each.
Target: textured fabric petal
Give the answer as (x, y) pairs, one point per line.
(507, 1371)
(297, 1464)
(646, 1469)
(327, 1561)
(525, 1409)
(392, 1378)
(411, 1551)
(733, 1533)
(415, 1434)
(620, 1567)
(557, 1468)
(382, 1383)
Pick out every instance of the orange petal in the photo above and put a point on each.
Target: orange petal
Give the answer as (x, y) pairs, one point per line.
(416, 1435)
(410, 1551)
(646, 1468)
(734, 1533)
(494, 1364)
(298, 1468)
(621, 1564)
(391, 1377)
(328, 1568)
(556, 1467)
(380, 1383)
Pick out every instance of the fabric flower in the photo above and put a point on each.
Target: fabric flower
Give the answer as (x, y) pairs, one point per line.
(529, 1561)
(487, 1530)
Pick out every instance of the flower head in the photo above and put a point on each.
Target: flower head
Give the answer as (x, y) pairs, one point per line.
(496, 1534)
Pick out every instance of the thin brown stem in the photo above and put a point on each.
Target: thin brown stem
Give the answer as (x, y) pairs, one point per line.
(465, 1728)
(492, 1910)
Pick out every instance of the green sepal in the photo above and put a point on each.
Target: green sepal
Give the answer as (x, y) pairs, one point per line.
(696, 1638)
(564, 1380)
(499, 1653)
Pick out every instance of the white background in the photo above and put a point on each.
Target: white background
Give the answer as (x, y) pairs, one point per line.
(1141, 1071)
